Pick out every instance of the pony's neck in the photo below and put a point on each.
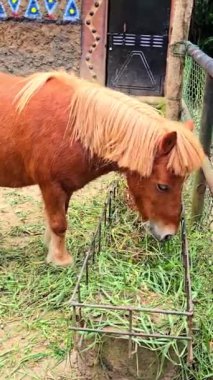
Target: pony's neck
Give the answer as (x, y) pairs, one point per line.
(99, 167)
(81, 168)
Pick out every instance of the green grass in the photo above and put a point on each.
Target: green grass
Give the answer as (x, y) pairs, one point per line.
(134, 269)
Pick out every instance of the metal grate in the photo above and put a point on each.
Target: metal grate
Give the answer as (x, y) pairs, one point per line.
(151, 41)
(108, 216)
(141, 40)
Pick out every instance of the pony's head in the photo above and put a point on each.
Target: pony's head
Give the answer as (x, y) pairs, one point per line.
(158, 197)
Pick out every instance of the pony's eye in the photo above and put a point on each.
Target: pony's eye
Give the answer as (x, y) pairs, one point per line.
(162, 187)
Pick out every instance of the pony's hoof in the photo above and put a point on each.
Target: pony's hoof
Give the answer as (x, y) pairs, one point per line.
(63, 261)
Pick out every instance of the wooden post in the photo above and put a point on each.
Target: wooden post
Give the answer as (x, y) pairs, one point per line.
(206, 139)
(179, 31)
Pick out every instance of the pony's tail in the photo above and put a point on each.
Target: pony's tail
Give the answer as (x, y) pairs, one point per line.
(34, 83)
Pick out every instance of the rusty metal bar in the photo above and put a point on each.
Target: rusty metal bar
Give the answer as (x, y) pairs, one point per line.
(79, 300)
(75, 292)
(87, 273)
(74, 320)
(187, 278)
(99, 237)
(186, 262)
(200, 57)
(132, 334)
(74, 315)
(79, 293)
(93, 247)
(132, 308)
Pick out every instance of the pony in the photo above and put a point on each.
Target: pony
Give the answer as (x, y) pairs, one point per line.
(60, 132)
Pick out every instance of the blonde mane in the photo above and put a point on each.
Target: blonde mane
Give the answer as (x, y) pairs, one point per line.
(117, 127)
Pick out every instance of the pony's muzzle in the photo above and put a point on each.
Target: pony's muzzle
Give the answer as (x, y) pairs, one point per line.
(162, 232)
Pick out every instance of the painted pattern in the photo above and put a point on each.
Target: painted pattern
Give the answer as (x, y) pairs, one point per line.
(40, 10)
(3, 14)
(71, 11)
(33, 11)
(51, 6)
(14, 5)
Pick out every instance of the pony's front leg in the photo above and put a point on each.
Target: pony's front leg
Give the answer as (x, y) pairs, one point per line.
(56, 204)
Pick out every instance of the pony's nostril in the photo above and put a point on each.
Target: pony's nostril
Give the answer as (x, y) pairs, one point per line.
(162, 233)
(167, 237)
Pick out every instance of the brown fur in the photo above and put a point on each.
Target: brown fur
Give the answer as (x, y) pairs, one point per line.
(119, 128)
(61, 132)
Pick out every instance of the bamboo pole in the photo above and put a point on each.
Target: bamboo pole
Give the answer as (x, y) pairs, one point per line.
(206, 175)
(178, 32)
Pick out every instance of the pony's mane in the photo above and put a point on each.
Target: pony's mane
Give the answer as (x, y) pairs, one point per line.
(117, 127)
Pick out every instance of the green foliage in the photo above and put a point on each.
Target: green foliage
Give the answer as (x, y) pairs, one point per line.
(202, 25)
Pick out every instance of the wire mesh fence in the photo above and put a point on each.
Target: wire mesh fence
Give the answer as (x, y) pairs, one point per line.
(194, 84)
(194, 88)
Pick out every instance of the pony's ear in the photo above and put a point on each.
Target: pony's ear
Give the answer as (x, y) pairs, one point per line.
(189, 124)
(167, 143)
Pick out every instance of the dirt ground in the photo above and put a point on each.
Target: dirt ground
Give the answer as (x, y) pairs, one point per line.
(26, 47)
(111, 360)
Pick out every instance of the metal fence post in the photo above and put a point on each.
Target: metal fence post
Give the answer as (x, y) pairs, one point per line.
(206, 139)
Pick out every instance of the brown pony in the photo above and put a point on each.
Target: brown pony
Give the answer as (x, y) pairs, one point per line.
(61, 132)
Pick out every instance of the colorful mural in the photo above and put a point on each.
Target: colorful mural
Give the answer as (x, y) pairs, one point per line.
(71, 12)
(10, 9)
(33, 11)
(14, 5)
(3, 14)
(51, 6)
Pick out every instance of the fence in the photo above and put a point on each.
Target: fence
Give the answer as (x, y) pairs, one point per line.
(102, 236)
(197, 101)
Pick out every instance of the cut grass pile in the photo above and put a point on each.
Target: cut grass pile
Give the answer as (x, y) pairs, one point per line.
(134, 269)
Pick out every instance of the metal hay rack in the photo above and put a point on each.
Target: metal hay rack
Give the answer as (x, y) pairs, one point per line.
(107, 218)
